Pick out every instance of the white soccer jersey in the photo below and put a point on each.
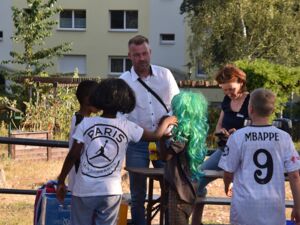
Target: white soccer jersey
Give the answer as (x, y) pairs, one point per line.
(105, 142)
(258, 156)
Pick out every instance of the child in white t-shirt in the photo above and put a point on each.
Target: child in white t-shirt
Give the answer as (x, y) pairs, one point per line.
(97, 190)
(255, 159)
(83, 93)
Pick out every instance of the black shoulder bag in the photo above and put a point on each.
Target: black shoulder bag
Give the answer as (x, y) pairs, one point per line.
(153, 93)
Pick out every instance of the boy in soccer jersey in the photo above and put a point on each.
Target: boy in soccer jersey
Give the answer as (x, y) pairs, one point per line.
(255, 159)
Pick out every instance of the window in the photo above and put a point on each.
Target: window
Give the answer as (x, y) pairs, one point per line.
(124, 20)
(72, 19)
(69, 63)
(119, 64)
(167, 39)
(200, 70)
(1, 35)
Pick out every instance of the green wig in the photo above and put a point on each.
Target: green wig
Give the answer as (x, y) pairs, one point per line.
(191, 111)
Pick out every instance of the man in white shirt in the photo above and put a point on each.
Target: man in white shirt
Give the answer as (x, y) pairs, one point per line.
(147, 113)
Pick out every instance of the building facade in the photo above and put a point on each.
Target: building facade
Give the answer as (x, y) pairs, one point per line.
(99, 32)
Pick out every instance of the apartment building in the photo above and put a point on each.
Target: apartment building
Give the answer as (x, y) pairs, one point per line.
(99, 32)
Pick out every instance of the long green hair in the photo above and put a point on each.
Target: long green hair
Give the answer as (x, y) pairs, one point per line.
(191, 111)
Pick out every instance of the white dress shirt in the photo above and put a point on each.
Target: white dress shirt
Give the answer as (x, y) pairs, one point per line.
(148, 110)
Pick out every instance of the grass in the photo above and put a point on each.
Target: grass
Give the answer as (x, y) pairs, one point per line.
(16, 212)
(18, 209)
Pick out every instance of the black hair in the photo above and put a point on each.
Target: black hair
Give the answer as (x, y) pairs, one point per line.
(113, 95)
(85, 89)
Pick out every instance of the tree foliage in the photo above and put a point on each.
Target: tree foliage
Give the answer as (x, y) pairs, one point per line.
(228, 30)
(282, 80)
(32, 26)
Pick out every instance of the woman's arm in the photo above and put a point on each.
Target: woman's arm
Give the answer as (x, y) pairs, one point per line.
(159, 132)
(219, 123)
(219, 128)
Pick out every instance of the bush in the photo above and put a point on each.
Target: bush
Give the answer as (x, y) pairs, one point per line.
(213, 116)
(44, 107)
(280, 79)
(51, 110)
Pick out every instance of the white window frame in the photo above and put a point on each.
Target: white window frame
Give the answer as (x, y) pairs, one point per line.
(124, 22)
(73, 28)
(166, 42)
(124, 58)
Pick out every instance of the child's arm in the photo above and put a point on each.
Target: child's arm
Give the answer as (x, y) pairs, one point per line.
(164, 153)
(228, 178)
(294, 180)
(73, 155)
(159, 132)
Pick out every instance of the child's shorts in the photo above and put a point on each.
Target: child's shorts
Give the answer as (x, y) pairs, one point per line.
(100, 209)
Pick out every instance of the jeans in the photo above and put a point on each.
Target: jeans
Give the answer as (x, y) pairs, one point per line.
(137, 155)
(95, 210)
(210, 164)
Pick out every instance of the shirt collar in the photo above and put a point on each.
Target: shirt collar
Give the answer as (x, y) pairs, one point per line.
(134, 75)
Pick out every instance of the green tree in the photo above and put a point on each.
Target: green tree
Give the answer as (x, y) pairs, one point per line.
(282, 80)
(228, 30)
(32, 26)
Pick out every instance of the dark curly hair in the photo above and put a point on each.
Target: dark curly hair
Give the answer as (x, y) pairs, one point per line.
(85, 89)
(113, 95)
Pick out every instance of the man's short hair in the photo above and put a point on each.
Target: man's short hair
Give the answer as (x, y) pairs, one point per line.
(138, 40)
(263, 101)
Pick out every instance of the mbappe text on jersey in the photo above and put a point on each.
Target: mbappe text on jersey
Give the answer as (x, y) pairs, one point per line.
(262, 136)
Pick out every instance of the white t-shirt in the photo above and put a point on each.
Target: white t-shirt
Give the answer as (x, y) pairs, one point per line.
(258, 156)
(148, 110)
(105, 142)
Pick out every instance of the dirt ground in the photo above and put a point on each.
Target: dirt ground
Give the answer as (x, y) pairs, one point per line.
(212, 214)
(18, 209)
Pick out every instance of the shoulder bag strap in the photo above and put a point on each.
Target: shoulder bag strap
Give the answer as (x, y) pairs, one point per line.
(153, 93)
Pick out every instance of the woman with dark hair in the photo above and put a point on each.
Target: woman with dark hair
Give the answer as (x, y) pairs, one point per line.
(100, 143)
(234, 112)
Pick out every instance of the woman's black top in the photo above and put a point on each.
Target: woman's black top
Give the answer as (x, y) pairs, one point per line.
(233, 119)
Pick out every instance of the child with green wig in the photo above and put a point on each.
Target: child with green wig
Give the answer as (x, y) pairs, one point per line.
(184, 151)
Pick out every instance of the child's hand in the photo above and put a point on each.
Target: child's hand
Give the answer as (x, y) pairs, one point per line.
(229, 190)
(171, 120)
(295, 216)
(61, 192)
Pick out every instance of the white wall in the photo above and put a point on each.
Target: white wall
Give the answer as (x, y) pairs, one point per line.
(6, 26)
(164, 17)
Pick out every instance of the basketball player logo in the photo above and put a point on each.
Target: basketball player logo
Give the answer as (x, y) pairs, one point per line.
(101, 153)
